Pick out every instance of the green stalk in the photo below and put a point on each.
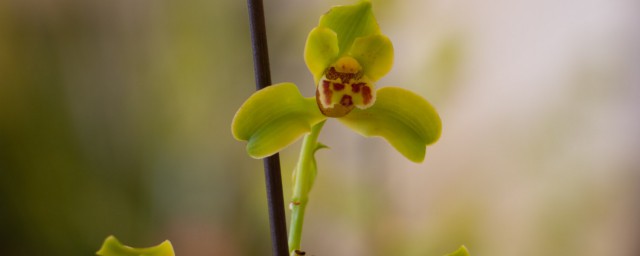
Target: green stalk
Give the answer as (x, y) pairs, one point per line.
(304, 177)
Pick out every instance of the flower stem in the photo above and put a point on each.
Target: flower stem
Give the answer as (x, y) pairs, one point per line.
(304, 177)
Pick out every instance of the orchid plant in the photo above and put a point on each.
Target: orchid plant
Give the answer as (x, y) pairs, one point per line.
(346, 54)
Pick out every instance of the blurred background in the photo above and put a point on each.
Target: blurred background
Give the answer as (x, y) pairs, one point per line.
(115, 119)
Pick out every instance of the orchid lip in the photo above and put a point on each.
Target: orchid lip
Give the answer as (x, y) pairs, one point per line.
(344, 87)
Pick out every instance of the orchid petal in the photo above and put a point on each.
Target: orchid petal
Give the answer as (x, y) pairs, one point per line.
(320, 51)
(375, 53)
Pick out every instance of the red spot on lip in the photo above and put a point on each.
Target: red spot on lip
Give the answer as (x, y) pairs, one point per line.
(356, 87)
(325, 84)
(366, 95)
(326, 91)
(338, 86)
(346, 100)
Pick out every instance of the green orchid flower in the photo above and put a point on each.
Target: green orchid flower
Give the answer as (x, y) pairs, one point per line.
(347, 54)
(113, 247)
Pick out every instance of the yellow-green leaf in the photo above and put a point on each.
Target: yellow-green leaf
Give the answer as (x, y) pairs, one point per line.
(320, 51)
(113, 247)
(462, 251)
(350, 22)
(375, 54)
(406, 120)
(273, 118)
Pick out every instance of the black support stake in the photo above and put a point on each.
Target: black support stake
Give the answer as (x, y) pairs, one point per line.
(273, 178)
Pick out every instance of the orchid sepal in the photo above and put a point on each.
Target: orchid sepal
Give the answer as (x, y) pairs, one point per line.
(406, 120)
(273, 118)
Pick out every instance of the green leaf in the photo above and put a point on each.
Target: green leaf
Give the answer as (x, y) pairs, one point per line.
(273, 118)
(320, 51)
(375, 54)
(406, 120)
(113, 247)
(350, 22)
(462, 251)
